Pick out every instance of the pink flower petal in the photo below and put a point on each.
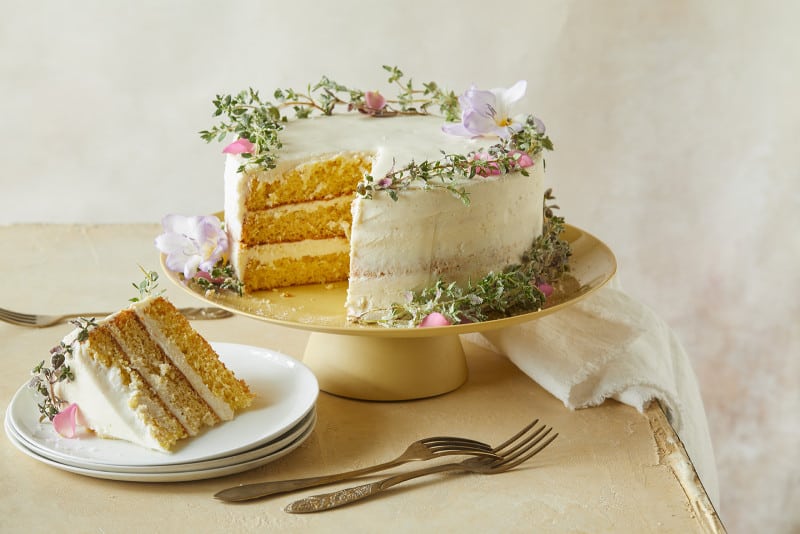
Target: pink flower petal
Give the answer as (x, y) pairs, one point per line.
(523, 158)
(66, 421)
(491, 169)
(240, 146)
(375, 100)
(545, 288)
(435, 319)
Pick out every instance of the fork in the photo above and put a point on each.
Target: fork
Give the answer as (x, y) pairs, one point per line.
(516, 450)
(40, 321)
(424, 449)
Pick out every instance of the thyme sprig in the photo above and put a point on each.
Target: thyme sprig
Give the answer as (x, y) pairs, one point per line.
(43, 378)
(259, 120)
(146, 287)
(221, 277)
(510, 292)
(445, 173)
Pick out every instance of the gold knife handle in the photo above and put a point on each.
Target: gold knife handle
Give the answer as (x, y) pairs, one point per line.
(247, 492)
(335, 499)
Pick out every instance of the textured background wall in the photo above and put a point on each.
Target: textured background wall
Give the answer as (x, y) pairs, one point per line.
(676, 125)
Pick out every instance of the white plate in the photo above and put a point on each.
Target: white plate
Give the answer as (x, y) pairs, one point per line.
(182, 476)
(285, 389)
(309, 421)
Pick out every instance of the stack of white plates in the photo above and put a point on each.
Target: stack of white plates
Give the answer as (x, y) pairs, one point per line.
(283, 415)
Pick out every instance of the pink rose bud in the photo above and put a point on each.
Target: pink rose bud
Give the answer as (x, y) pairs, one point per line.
(375, 100)
(523, 158)
(545, 288)
(435, 319)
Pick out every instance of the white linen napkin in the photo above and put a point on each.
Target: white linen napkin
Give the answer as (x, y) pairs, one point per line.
(610, 346)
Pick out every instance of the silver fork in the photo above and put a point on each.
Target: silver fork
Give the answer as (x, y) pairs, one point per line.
(518, 449)
(424, 449)
(40, 321)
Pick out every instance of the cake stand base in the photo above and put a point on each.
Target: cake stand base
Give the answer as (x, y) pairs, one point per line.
(386, 368)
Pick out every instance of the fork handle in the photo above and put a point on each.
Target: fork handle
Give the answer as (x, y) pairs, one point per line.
(335, 499)
(247, 492)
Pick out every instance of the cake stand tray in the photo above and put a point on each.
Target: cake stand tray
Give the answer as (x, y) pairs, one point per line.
(388, 364)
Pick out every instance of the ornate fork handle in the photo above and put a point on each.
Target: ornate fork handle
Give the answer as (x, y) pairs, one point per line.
(334, 499)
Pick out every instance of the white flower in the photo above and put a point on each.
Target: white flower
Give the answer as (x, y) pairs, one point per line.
(488, 112)
(192, 243)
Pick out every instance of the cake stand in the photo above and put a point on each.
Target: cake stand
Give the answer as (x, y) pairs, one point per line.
(390, 364)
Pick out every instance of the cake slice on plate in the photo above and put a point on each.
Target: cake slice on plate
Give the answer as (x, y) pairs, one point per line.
(143, 375)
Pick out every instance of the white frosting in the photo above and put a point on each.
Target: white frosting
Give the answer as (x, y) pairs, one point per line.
(425, 234)
(266, 254)
(430, 234)
(103, 398)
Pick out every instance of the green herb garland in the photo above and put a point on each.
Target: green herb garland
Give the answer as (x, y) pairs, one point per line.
(247, 115)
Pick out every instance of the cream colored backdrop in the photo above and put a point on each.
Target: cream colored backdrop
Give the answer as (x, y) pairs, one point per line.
(676, 123)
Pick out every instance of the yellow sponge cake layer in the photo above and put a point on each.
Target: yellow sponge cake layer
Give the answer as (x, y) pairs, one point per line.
(317, 180)
(288, 264)
(205, 371)
(147, 358)
(321, 219)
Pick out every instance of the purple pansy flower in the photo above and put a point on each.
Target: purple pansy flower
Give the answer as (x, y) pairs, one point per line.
(487, 112)
(192, 243)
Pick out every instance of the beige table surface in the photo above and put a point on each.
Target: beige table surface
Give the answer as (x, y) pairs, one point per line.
(611, 470)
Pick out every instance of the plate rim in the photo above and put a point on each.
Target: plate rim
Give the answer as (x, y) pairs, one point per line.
(180, 476)
(308, 421)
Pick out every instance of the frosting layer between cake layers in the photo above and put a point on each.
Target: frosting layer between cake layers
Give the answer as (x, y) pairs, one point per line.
(287, 225)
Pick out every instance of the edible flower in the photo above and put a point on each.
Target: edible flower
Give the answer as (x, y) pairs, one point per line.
(240, 146)
(192, 243)
(375, 101)
(519, 159)
(66, 421)
(435, 319)
(545, 288)
(487, 112)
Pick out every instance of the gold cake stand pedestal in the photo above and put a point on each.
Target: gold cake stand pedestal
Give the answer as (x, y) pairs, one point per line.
(390, 364)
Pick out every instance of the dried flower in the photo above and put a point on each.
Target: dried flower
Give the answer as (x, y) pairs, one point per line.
(43, 378)
(192, 243)
(488, 112)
